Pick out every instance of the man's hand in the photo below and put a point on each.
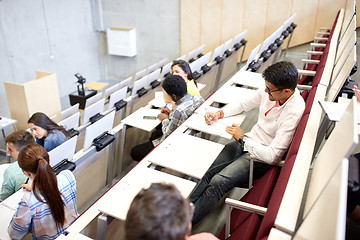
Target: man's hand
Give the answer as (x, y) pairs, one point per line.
(165, 110)
(162, 116)
(210, 117)
(235, 131)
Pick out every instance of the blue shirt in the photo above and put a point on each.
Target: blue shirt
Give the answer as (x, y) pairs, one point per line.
(53, 139)
(35, 216)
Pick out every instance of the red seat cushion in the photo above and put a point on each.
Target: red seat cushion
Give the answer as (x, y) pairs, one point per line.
(276, 197)
(259, 195)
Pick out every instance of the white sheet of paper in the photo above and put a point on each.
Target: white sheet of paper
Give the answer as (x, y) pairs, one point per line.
(197, 122)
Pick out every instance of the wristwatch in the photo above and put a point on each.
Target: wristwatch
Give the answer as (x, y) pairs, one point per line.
(241, 140)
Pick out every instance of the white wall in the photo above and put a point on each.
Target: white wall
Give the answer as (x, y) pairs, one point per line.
(60, 37)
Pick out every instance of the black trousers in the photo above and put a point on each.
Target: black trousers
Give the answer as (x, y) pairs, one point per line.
(140, 151)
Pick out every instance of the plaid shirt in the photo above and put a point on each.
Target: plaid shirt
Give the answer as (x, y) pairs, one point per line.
(184, 109)
(35, 216)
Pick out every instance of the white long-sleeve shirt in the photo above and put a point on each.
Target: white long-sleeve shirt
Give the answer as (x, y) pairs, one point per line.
(271, 136)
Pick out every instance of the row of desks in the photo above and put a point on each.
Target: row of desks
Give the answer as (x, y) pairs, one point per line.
(183, 153)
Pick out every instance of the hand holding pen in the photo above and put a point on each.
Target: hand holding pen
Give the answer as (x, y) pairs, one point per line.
(27, 185)
(210, 117)
(165, 110)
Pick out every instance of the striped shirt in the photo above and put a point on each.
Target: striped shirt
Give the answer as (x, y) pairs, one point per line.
(184, 109)
(35, 216)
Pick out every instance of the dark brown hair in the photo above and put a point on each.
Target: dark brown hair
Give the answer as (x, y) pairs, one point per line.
(186, 68)
(159, 212)
(41, 120)
(34, 159)
(20, 139)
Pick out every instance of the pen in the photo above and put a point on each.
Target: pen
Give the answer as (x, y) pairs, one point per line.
(165, 105)
(27, 180)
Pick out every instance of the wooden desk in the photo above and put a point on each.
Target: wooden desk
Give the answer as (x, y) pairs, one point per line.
(117, 200)
(185, 154)
(6, 216)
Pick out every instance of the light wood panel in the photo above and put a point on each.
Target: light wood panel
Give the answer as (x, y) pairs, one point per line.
(276, 14)
(254, 20)
(305, 19)
(231, 19)
(40, 95)
(326, 13)
(190, 36)
(211, 24)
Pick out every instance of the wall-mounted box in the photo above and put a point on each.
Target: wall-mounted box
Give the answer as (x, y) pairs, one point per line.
(121, 41)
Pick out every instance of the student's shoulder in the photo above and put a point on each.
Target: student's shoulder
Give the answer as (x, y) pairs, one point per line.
(13, 169)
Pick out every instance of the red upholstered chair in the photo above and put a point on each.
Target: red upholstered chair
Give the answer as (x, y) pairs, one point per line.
(276, 197)
(258, 195)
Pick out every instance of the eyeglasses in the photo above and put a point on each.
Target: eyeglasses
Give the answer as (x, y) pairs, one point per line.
(271, 91)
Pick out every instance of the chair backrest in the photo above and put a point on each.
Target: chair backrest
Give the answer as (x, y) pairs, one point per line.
(69, 111)
(290, 20)
(71, 122)
(94, 130)
(64, 151)
(217, 52)
(350, 12)
(117, 96)
(252, 56)
(347, 40)
(92, 110)
(140, 74)
(200, 50)
(127, 82)
(93, 99)
(327, 217)
(340, 145)
(165, 70)
(153, 76)
(152, 68)
(111, 90)
(196, 65)
(162, 62)
(338, 82)
(192, 55)
(227, 45)
(141, 83)
(238, 38)
(344, 57)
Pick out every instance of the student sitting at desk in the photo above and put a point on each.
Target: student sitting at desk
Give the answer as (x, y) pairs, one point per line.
(161, 212)
(174, 89)
(49, 206)
(47, 133)
(280, 109)
(182, 69)
(13, 175)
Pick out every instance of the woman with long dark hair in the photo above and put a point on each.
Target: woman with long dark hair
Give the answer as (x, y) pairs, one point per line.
(49, 206)
(47, 133)
(182, 69)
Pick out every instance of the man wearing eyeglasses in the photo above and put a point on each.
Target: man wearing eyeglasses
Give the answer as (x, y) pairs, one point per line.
(280, 109)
